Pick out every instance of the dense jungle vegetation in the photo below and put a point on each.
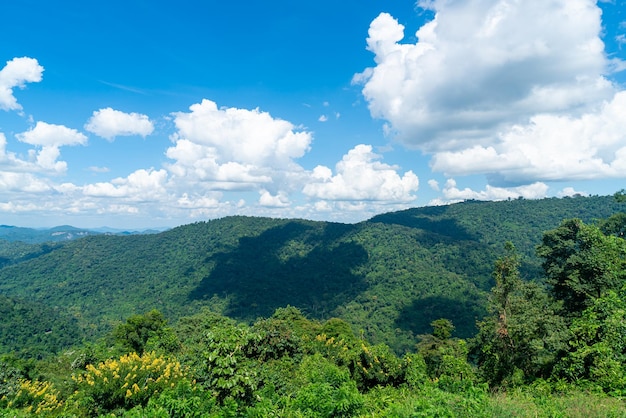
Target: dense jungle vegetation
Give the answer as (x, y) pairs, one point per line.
(513, 308)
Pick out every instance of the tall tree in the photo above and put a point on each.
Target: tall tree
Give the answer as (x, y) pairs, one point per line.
(522, 336)
(581, 263)
(598, 345)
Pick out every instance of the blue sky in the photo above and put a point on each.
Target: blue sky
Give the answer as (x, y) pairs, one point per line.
(136, 114)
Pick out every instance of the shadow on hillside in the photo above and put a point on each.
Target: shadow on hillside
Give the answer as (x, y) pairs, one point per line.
(430, 219)
(292, 264)
(463, 314)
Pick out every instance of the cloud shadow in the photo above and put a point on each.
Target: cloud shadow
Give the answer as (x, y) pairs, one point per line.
(295, 264)
(463, 314)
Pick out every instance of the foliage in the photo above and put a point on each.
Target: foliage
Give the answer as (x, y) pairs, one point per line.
(326, 390)
(34, 396)
(378, 366)
(523, 335)
(445, 357)
(581, 263)
(134, 334)
(34, 330)
(614, 225)
(216, 350)
(124, 383)
(274, 338)
(329, 376)
(10, 378)
(597, 355)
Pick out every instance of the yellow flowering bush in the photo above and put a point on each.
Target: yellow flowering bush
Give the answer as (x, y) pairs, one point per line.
(126, 382)
(36, 397)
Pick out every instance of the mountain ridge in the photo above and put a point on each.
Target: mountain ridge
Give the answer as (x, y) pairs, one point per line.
(389, 276)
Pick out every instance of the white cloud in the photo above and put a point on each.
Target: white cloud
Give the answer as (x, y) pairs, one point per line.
(360, 177)
(434, 184)
(17, 73)
(22, 183)
(569, 191)
(480, 66)
(514, 90)
(246, 136)
(453, 194)
(278, 201)
(550, 147)
(229, 148)
(109, 123)
(141, 185)
(50, 137)
(323, 118)
(8, 160)
(199, 202)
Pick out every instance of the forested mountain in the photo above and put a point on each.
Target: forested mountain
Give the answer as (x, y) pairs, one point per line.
(10, 233)
(33, 236)
(390, 276)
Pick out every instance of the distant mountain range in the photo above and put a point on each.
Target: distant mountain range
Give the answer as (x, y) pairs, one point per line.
(61, 233)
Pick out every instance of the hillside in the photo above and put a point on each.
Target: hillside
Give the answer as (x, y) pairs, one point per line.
(31, 329)
(390, 276)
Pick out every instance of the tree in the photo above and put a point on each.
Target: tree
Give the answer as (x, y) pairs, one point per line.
(620, 196)
(523, 335)
(581, 263)
(598, 345)
(138, 329)
(445, 358)
(614, 225)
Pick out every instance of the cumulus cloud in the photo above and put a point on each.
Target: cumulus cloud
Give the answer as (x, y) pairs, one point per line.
(550, 147)
(481, 65)
(515, 90)
(22, 183)
(109, 123)
(359, 176)
(8, 160)
(50, 137)
(16, 73)
(141, 185)
(230, 148)
(278, 201)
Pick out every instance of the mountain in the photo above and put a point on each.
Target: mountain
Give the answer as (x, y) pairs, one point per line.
(389, 276)
(62, 233)
(34, 236)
